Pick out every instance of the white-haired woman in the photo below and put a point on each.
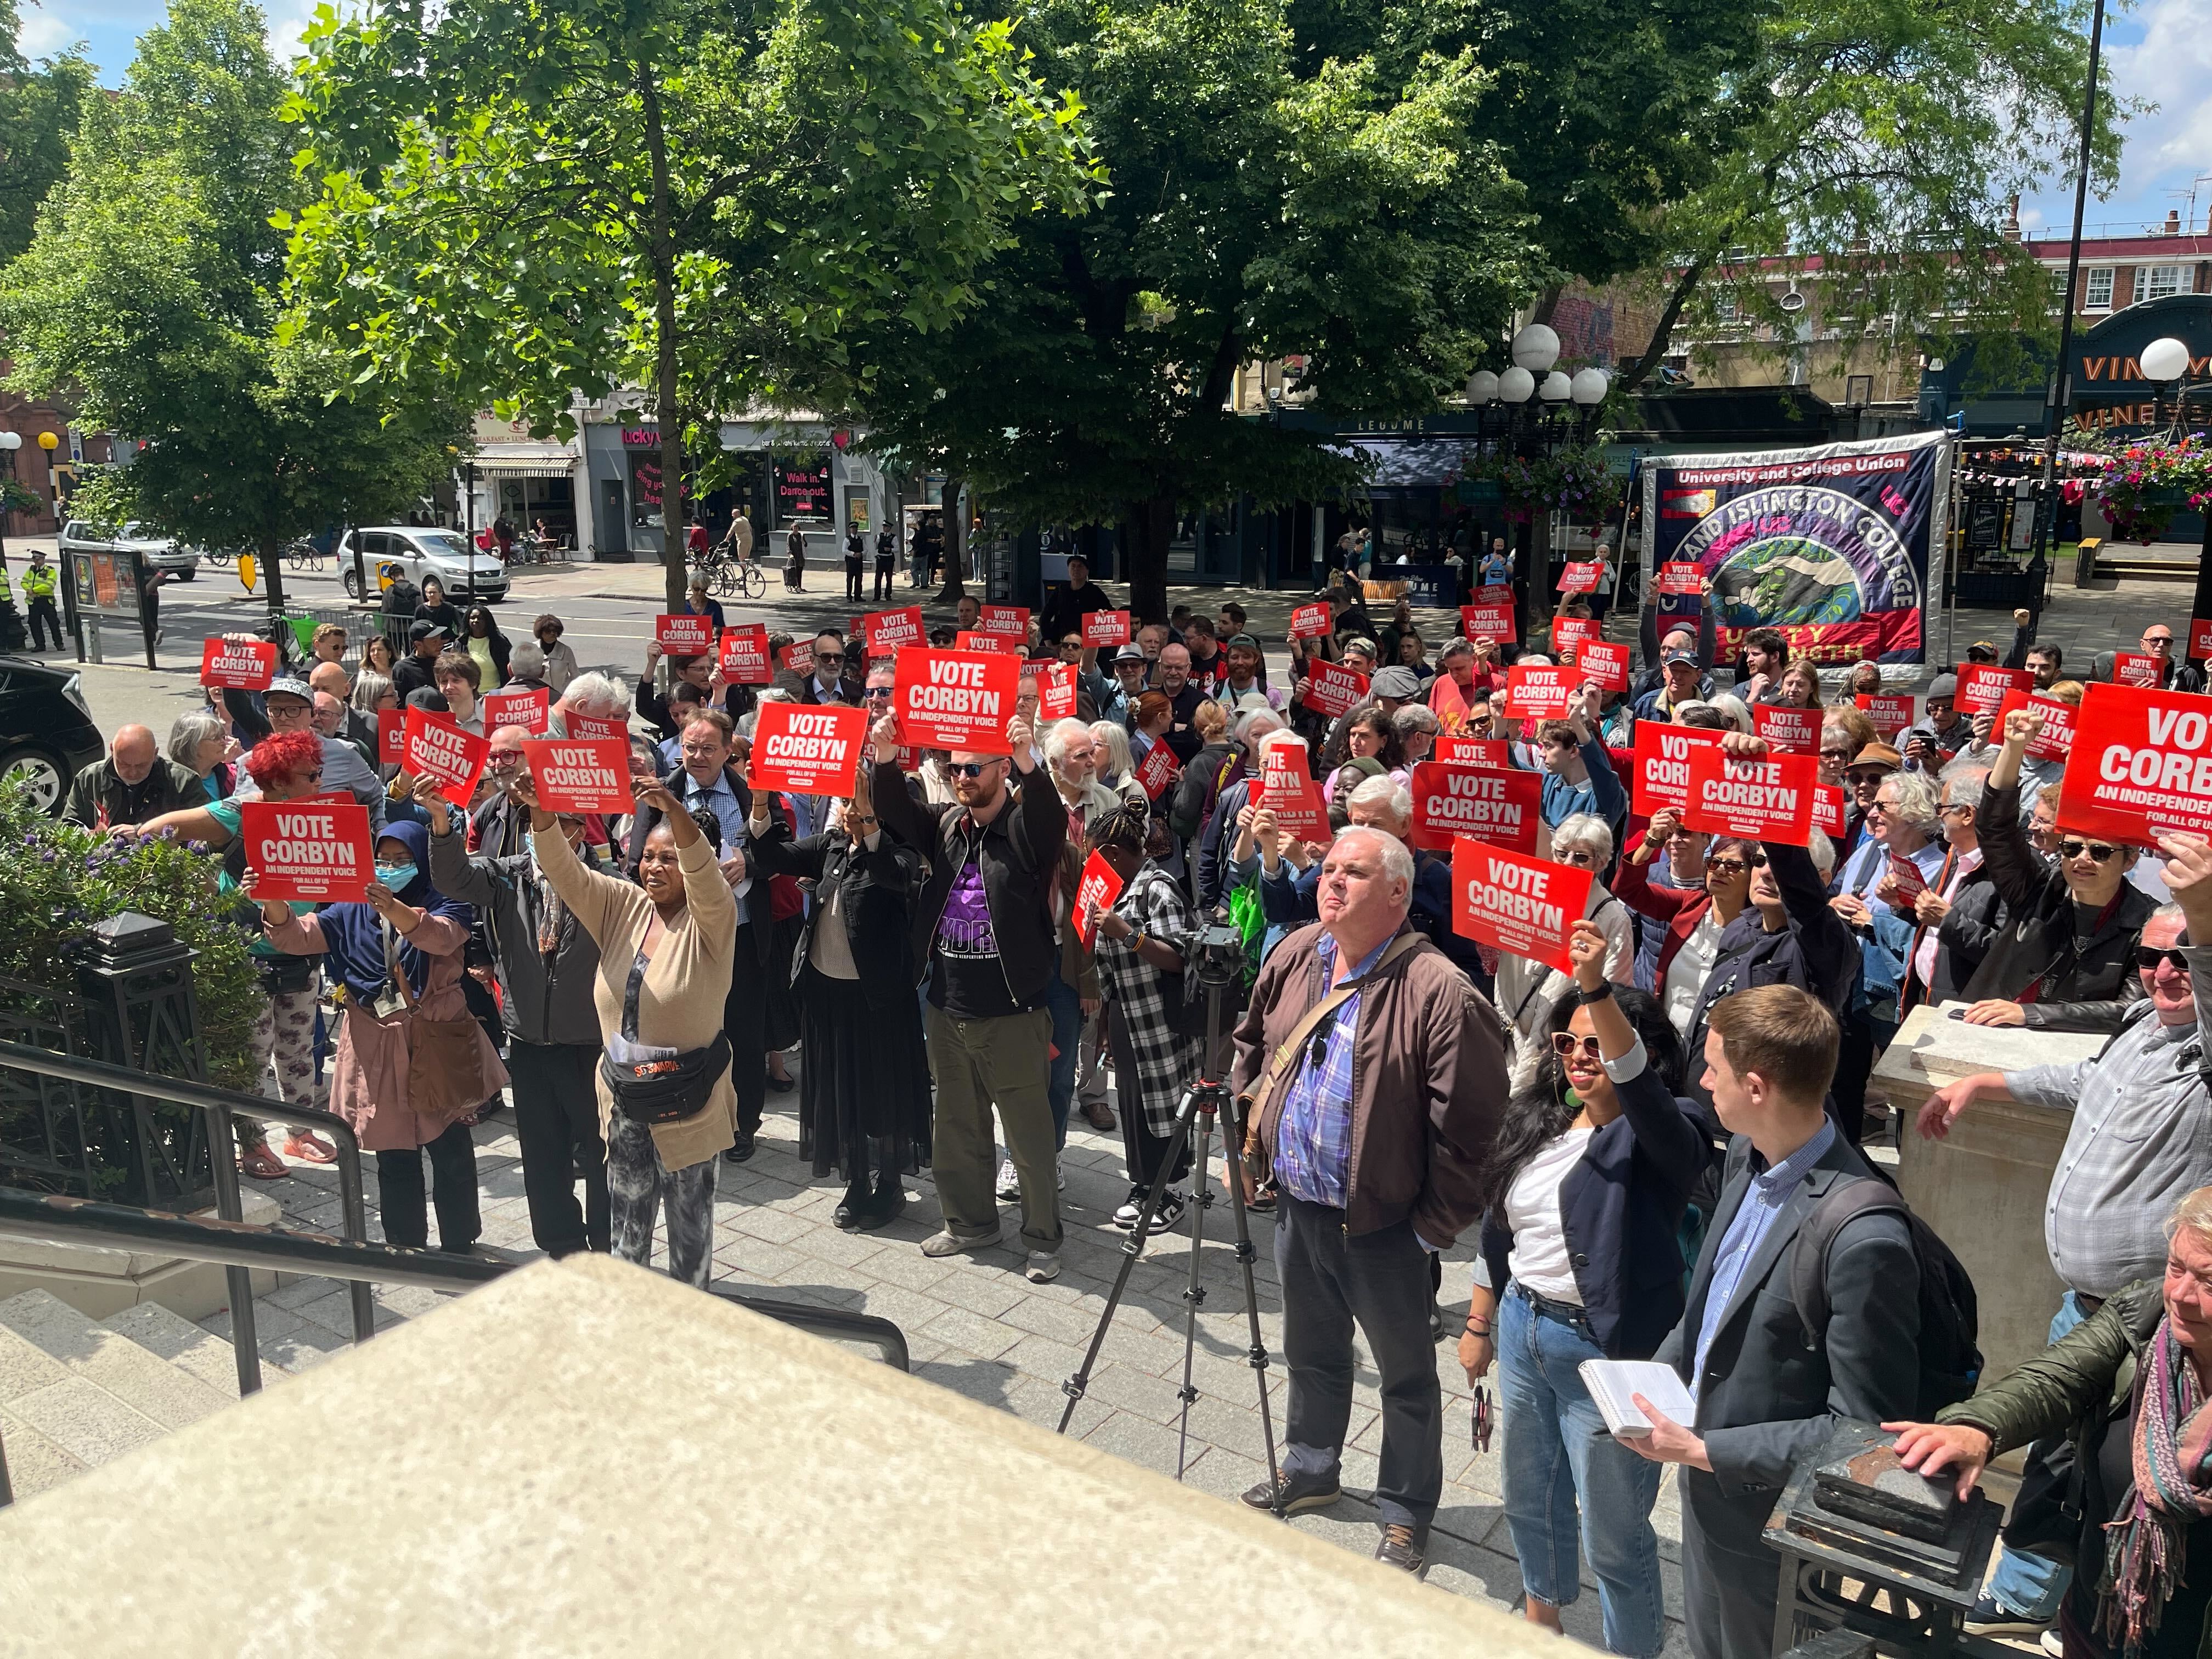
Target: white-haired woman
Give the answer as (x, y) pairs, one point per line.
(1117, 768)
(202, 742)
(1529, 991)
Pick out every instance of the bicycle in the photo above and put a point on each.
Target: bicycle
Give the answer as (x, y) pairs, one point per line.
(304, 555)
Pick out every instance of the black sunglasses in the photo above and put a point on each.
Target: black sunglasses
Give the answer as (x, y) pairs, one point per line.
(829, 656)
(2072, 848)
(2149, 955)
(967, 768)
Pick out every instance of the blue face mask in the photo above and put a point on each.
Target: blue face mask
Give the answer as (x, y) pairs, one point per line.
(396, 876)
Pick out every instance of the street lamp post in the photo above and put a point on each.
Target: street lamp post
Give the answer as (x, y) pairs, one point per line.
(10, 443)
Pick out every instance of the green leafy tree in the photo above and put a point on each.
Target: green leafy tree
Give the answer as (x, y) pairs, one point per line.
(1885, 141)
(152, 297)
(533, 200)
(39, 108)
(1344, 216)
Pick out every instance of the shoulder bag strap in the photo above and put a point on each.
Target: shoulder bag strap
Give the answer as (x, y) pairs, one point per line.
(1286, 1051)
(391, 962)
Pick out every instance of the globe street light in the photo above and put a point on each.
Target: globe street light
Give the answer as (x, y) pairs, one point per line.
(2164, 359)
(1482, 387)
(1557, 387)
(1516, 385)
(1589, 386)
(1535, 348)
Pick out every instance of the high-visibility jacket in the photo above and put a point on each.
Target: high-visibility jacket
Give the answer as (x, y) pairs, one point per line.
(39, 581)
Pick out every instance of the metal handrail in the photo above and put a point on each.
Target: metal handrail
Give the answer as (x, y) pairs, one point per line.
(220, 1105)
(56, 1220)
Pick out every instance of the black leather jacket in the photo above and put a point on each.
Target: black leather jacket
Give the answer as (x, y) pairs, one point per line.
(2081, 984)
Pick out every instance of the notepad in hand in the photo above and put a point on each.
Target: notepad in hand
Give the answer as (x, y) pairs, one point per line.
(1613, 1384)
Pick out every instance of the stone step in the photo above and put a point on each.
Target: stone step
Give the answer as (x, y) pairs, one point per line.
(189, 1347)
(76, 1394)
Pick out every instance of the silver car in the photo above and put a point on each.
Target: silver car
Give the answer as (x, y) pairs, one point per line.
(420, 552)
(161, 550)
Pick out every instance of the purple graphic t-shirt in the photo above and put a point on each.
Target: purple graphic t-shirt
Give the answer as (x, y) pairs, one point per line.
(970, 981)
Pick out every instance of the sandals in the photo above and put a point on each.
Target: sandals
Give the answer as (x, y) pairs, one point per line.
(258, 1162)
(310, 1148)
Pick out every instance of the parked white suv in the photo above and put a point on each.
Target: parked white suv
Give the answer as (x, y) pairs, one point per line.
(162, 551)
(421, 552)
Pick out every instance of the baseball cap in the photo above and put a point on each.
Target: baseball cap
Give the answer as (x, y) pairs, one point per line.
(428, 697)
(1680, 655)
(1245, 640)
(1944, 685)
(1130, 653)
(289, 687)
(1981, 650)
(1368, 646)
(423, 629)
(1399, 683)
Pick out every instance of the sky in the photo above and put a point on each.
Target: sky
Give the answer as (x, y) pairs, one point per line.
(2157, 50)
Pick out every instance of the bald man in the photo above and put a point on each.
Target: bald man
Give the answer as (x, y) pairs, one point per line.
(136, 781)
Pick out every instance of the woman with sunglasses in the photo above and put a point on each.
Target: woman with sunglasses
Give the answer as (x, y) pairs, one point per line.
(1528, 990)
(2065, 961)
(1590, 1174)
(864, 1084)
(1693, 919)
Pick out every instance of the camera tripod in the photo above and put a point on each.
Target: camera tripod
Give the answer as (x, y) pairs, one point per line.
(1202, 1102)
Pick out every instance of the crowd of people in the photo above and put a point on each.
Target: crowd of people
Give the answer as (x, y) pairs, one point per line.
(1632, 1148)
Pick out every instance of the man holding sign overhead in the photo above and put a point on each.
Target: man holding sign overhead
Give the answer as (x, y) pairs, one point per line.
(1372, 1081)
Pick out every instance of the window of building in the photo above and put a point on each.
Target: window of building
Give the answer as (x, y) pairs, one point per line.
(1724, 308)
(2097, 288)
(2161, 281)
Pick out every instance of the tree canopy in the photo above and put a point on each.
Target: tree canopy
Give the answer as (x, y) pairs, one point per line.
(39, 108)
(151, 297)
(532, 201)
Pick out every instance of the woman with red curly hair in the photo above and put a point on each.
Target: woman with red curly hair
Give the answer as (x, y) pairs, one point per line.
(287, 766)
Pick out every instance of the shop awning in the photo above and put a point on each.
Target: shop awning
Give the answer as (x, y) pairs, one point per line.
(546, 463)
(1410, 463)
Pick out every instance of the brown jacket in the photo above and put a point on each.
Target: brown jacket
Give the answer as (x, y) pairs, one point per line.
(1428, 1083)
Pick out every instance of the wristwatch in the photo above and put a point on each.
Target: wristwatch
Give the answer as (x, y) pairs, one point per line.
(1603, 993)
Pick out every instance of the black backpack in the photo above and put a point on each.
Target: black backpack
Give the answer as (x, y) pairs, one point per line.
(1950, 1318)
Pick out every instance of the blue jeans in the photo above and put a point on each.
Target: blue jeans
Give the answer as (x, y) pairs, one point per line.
(1558, 1458)
(2032, 1586)
(1065, 1004)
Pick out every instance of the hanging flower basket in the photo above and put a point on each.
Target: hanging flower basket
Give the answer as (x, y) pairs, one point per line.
(2147, 483)
(1576, 482)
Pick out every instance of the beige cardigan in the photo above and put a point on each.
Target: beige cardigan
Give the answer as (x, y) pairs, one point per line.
(680, 1003)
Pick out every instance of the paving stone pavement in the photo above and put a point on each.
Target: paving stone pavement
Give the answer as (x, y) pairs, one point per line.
(975, 1325)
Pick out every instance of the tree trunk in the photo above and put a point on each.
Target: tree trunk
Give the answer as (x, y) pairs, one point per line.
(674, 575)
(1147, 526)
(1635, 373)
(272, 564)
(955, 543)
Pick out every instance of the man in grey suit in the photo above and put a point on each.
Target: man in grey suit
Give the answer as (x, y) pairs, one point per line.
(1767, 1396)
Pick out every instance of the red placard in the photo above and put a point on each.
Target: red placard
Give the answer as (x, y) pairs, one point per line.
(807, 750)
(886, 631)
(315, 850)
(1156, 770)
(2056, 740)
(1099, 887)
(1581, 578)
(1890, 715)
(2135, 668)
(1682, 580)
(1487, 622)
(1498, 808)
(1331, 687)
(685, 635)
(1521, 906)
(1470, 751)
(242, 664)
(529, 706)
(1539, 691)
(1911, 884)
(1105, 627)
(1311, 622)
(2142, 766)
(1982, 686)
(798, 657)
(1055, 691)
(1604, 666)
(390, 736)
(1570, 632)
(1662, 763)
(1286, 789)
(744, 656)
(1828, 809)
(586, 728)
(1008, 621)
(436, 747)
(957, 700)
(1768, 800)
(2200, 637)
(1793, 731)
(585, 775)
(970, 639)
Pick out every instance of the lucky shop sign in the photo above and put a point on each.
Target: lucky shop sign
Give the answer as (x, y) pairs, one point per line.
(2141, 767)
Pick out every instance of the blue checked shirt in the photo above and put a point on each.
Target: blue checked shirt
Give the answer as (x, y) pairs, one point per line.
(1770, 1189)
(1313, 1137)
